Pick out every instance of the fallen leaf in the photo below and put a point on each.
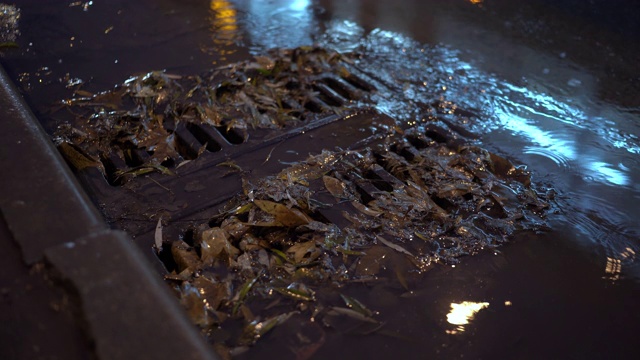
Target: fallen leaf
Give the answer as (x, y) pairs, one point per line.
(393, 246)
(158, 235)
(282, 214)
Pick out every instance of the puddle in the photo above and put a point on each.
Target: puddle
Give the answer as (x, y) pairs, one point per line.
(543, 94)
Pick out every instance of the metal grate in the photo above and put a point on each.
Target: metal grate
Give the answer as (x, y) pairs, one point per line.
(214, 160)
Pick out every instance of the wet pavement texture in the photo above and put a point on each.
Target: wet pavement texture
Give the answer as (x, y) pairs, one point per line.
(555, 84)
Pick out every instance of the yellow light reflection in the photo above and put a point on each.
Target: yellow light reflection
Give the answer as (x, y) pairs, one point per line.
(224, 15)
(475, 2)
(628, 254)
(613, 268)
(462, 313)
(224, 28)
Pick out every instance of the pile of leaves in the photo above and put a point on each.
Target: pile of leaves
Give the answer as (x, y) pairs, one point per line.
(272, 91)
(290, 242)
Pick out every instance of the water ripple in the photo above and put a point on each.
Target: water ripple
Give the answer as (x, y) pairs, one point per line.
(560, 160)
(608, 229)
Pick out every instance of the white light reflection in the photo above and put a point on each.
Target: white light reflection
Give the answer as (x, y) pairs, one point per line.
(462, 313)
(278, 23)
(609, 174)
(299, 5)
(563, 127)
(564, 152)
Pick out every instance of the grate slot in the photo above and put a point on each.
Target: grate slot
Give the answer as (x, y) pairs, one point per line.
(112, 164)
(378, 181)
(169, 124)
(329, 96)
(166, 257)
(130, 158)
(445, 204)
(437, 133)
(186, 144)
(141, 155)
(419, 142)
(366, 190)
(342, 87)
(457, 128)
(358, 82)
(405, 150)
(231, 135)
(316, 105)
(205, 134)
(443, 107)
(295, 108)
(393, 164)
(331, 211)
(386, 176)
(189, 237)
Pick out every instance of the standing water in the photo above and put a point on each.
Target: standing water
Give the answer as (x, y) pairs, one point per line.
(554, 86)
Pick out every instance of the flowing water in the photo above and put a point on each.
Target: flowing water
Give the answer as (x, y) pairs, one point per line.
(553, 87)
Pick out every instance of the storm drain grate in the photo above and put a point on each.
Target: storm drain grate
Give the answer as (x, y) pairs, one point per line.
(132, 183)
(389, 207)
(236, 191)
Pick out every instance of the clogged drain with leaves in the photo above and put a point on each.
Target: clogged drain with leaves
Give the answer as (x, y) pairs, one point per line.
(290, 241)
(284, 248)
(155, 122)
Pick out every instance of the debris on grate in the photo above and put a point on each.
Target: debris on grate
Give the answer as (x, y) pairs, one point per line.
(156, 121)
(209, 171)
(283, 248)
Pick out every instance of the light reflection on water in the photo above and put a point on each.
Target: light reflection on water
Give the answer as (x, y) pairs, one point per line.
(278, 23)
(586, 149)
(462, 313)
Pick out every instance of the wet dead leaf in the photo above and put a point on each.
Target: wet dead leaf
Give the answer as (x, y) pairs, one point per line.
(283, 216)
(304, 252)
(336, 187)
(354, 304)
(215, 243)
(366, 210)
(297, 291)
(395, 247)
(196, 305)
(158, 236)
(184, 256)
(352, 314)
(255, 330)
(78, 158)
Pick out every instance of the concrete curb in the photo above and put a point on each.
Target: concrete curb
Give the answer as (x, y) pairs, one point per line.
(129, 311)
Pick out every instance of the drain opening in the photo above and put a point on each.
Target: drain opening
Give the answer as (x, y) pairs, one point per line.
(345, 89)
(205, 134)
(357, 81)
(419, 141)
(316, 105)
(438, 134)
(112, 164)
(189, 236)
(231, 135)
(186, 144)
(166, 258)
(377, 181)
(131, 157)
(329, 96)
(444, 203)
